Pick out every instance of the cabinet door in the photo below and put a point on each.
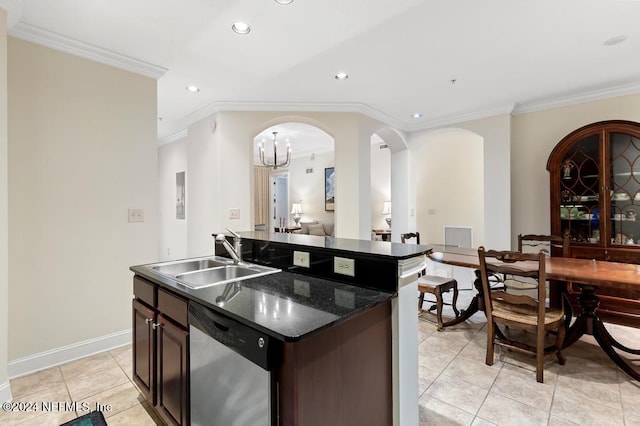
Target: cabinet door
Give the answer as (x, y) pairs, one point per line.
(173, 372)
(624, 187)
(143, 349)
(580, 187)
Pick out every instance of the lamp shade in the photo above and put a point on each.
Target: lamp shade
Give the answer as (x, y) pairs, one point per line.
(386, 209)
(296, 208)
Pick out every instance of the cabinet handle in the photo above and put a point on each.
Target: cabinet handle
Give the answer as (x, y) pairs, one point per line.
(156, 325)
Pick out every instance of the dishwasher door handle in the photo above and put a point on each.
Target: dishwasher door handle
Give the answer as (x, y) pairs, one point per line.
(220, 326)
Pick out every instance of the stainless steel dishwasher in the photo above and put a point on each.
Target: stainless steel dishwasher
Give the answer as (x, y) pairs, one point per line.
(231, 378)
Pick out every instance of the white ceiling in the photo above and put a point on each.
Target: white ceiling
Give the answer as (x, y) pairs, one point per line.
(401, 55)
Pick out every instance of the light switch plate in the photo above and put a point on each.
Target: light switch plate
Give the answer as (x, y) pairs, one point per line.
(301, 258)
(344, 266)
(136, 215)
(234, 213)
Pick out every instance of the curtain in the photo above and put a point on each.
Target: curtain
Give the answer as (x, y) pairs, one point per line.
(261, 195)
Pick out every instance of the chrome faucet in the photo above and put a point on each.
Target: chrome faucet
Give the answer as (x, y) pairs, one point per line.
(234, 251)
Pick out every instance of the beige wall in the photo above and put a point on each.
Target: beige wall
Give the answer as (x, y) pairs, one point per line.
(449, 188)
(534, 136)
(82, 150)
(5, 393)
(309, 188)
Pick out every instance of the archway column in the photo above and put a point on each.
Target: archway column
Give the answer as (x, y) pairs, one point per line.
(353, 179)
(403, 194)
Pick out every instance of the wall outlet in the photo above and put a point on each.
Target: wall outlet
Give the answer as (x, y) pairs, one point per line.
(301, 258)
(136, 215)
(234, 213)
(344, 266)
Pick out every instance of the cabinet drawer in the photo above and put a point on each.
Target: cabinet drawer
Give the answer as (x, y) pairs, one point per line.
(144, 291)
(173, 307)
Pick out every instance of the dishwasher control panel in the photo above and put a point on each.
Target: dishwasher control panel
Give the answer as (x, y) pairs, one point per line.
(252, 344)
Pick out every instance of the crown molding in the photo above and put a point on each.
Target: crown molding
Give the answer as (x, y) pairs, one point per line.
(577, 98)
(513, 109)
(173, 137)
(66, 44)
(292, 106)
(461, 118)
(14, 11)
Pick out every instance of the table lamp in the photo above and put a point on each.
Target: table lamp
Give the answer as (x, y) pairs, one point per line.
(386, 210)
(296, 210)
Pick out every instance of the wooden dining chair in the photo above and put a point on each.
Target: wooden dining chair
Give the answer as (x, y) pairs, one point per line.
(435, 285)
(520, 311)
(550, 245)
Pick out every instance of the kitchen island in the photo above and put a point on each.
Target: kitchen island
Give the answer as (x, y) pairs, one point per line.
(335, 340)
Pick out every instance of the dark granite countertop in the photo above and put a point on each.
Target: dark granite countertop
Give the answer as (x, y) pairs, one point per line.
(297, 302)
(285, 305)
(363, 247)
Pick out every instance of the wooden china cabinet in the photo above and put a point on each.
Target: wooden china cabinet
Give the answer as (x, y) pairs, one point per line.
(595, 198)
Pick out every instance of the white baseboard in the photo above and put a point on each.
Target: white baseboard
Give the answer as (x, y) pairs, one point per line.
(64, 354)
(5, 392)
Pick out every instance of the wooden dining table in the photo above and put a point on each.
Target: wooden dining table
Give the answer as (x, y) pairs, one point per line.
(588, 275)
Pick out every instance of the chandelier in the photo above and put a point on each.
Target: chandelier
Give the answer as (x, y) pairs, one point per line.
(275, 163)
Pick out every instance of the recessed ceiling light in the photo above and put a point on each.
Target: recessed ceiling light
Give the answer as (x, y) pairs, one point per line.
(193, 89)
(241, 28)
(615, 40)
(341, 76)
(416, 115)
(284, 1)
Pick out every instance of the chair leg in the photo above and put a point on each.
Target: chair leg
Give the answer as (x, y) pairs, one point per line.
(559, 342)
(420, 301)
(540, 355)
(491, 333)
(439, 304)
(455, 300)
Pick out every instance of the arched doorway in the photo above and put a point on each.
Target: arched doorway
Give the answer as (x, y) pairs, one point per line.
(393, 181)
(450, 187)
(301, 182)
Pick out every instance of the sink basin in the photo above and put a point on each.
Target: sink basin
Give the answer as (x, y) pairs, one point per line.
(220, 275)
(180, 267)
(205, 272)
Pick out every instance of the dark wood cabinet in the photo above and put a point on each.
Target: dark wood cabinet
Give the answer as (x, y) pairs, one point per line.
(160, 350)
(144, 361)
(341, 376)
(595, 198)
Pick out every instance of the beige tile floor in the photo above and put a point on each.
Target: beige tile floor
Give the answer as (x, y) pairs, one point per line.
(99, 379)
(455, 386)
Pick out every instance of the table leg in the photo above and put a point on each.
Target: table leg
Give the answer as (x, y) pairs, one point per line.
(588, 322)
(584, 322)
(476, 304)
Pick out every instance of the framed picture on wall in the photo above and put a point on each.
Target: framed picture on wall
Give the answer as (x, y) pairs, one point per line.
(180, 194)
(329, 189)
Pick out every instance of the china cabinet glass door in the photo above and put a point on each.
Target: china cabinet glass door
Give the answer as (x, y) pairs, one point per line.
(580, 191)
(624, 188)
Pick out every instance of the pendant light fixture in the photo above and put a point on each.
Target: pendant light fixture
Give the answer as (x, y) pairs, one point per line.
(275, 163)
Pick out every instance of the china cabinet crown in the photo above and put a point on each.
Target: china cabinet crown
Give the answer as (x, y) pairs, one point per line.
(595, 198)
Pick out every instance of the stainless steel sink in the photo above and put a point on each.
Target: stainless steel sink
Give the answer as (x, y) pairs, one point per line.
(180, 267)
(205, 272)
